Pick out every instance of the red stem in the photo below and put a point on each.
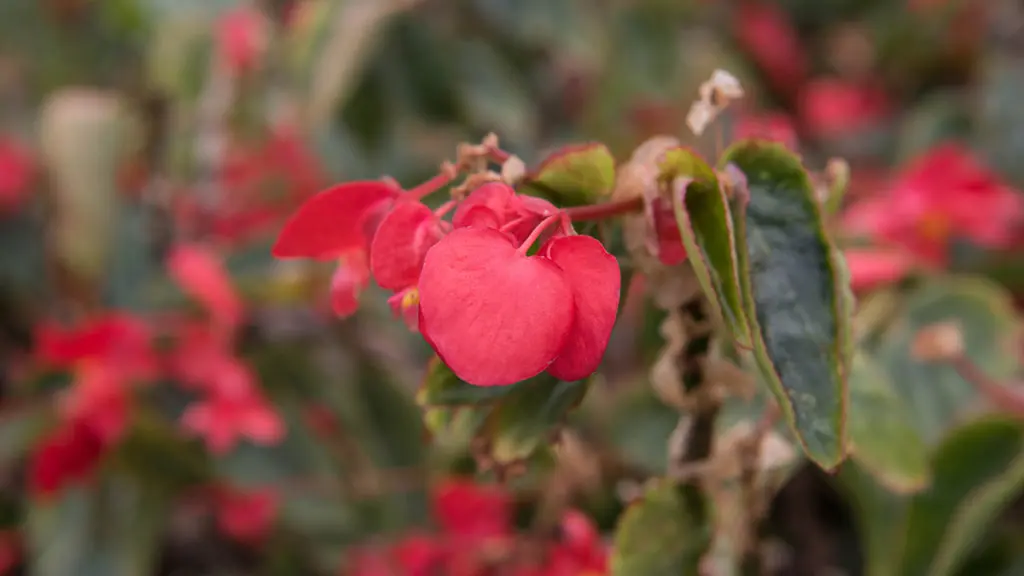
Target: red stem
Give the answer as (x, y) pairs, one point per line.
(605, 210)
(432, 185)
(497, 155)
(1006, 398)
(445, 208)
(537, 232)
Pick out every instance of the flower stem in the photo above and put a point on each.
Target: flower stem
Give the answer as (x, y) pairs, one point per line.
(443, 178)
(537, 232)
(445, 208)
(605, 210)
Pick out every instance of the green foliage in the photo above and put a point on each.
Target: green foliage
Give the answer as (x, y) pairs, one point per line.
(665, 532)
(795, 296)
(574, 175)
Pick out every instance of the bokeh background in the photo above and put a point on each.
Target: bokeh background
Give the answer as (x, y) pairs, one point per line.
(148, 148)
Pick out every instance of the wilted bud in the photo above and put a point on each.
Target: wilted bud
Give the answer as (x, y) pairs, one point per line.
(715, 96)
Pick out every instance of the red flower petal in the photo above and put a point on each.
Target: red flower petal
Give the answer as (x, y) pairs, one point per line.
(247, 516)
(400, 244)
(332, 222)
(202, 276)
(495, 316)
(870, 268)
(495, 197)
(594, 277)
(465, 508)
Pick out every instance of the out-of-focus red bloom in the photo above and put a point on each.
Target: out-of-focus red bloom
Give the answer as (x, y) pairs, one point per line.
(350, 278)
(418, 555)
(580, 551)
(773, 126)
(117, 339)
(942, 195)
(67, 455)
(234, 409)
(246, 516)
(830, 107)
(17, 170)
(241, 38)
(99, 397)
(874, 267)
(766, 34)
(464, 508)
(668, 240)
(497, 316)
(10, 551)
(201, 275)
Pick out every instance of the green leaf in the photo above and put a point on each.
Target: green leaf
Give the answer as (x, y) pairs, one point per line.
(529, 416)
(19, 429)
(574, 175)
(441, 387)
(58, 533)
(508, 423)
(882, 437)
(666, 533)
(705, 224)
(977, 471)
(796, 295)
(987, 320)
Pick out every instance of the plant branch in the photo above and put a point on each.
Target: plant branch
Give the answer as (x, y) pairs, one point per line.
(604, 210)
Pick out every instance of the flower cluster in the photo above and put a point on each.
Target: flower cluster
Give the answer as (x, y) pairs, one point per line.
(109, 356)
(476, 537)
(493, 307)
(939, 197)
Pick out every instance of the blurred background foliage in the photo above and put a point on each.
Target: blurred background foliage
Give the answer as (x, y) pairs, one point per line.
(142, 124)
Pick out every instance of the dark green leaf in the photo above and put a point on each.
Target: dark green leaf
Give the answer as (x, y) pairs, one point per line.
(441, 387)
(705, 224)
(529, 416)
(796, 295)
(985, 315)
(882, 436)
(574, 175)
(666, 533)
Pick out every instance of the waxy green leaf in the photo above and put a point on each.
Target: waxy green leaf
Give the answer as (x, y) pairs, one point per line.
(882, 436)
(666, 532)
(705, 224)
(574, 175)
(796, 294)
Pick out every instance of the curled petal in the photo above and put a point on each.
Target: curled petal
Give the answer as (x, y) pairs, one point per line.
(495, 316)
(497, 197)
(400, 244)
(594, 277)
(333, 221)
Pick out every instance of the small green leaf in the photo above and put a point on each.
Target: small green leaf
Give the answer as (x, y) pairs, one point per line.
(705, 224)
(441, 387)
(796, 295)
(509, 422)
(574, 175)
(666, 532)
(977, 471)
(529, 416)
(882, 437)
(987, 320)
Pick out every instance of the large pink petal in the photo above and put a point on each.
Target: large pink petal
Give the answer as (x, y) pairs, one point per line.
(331, 222)
(401, 242)
(496, 317)
(595, 279)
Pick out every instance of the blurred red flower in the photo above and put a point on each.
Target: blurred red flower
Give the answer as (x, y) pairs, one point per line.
(832, 108)
(241, 38)
(246, 516)
(773, 126)
(201, 274)
(942, 195)
(17, 170)
(767, 35)
(67, 455)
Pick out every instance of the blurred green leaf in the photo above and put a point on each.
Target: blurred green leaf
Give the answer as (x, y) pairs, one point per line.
(705, 224)
(882, 435)
(796, 296)
(574, 175)
(999, 118)
(529, 417)
(976, 471)
(494, 95)
(666, 532)
(23, 261)
(20, 426)
(58, 534)
(987, 320)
